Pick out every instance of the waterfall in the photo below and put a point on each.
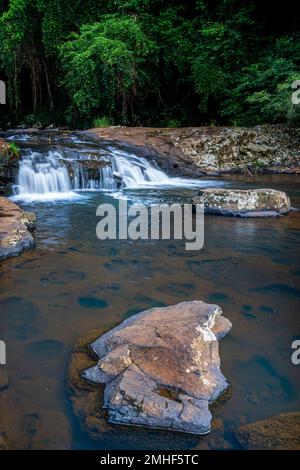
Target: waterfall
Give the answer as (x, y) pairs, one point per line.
(137, 171)
(63, 173)
(40, 175)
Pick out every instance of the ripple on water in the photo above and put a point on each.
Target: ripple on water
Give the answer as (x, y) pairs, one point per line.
(45, 348)
(218, 297)
(266, 309)
(19, 317)
(278, 289)
(92, 302)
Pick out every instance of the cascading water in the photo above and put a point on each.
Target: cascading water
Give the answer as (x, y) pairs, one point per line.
(61, 173)
(40, 175)
(137, 171)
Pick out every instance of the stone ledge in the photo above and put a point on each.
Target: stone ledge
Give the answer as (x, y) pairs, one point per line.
(15, 224)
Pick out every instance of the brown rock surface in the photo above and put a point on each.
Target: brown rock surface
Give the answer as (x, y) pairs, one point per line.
(195, 151)
(280, 432)
(161, 367)
(244, 203)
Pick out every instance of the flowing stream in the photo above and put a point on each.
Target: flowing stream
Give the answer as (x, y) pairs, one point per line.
(71, 282)
(52, 174)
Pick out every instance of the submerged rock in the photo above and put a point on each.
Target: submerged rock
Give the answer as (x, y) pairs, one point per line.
(244, 202)
(14, 229)
(51, 431)
(161, 367)
(281, 432)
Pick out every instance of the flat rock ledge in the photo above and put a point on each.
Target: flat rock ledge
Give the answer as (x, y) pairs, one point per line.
(244, 202)
(15, 226)
(161, 367)
(280, 432)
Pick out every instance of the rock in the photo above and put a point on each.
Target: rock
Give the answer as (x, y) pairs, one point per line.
(244, 203)
(281, 432)
(8, 167)
(51, 431)
(197, 151)
(14, 229)
(161, 367)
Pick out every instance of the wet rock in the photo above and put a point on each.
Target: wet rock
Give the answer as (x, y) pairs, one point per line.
(281, 432)
(8, 167)
(197, 151)
(161, 367)
(244, 203)
(14, 229)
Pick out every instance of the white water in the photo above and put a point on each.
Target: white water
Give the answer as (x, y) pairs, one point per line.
(49, 176)
(137, 171)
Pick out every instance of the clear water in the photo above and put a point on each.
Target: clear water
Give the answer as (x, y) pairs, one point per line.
(71, 283)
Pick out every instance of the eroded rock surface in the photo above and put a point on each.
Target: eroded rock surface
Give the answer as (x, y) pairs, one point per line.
(281, 432)
(196, 151)
(161, 367)
(244, 203)
(8, 168)
(15, 224)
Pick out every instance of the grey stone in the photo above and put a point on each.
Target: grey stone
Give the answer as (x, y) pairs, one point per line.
(161, 367)
(280, 432)
(244, 203)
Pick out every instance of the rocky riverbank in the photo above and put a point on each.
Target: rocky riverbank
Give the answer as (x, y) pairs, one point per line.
(198, 151)
(15, 227)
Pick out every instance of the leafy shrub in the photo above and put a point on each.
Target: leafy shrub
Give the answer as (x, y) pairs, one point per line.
(102, 122)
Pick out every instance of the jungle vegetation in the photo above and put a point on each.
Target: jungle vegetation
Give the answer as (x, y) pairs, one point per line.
(149, 62)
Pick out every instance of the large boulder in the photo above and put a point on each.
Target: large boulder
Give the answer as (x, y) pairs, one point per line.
(14, 229)
(244, 202)
(281, 432)
(161, 367)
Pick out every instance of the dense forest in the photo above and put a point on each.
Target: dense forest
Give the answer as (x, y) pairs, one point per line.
(149, 62)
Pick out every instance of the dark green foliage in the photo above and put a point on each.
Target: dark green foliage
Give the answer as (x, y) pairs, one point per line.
(149, 62)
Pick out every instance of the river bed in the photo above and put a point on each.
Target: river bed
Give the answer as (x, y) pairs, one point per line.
(71, 282)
